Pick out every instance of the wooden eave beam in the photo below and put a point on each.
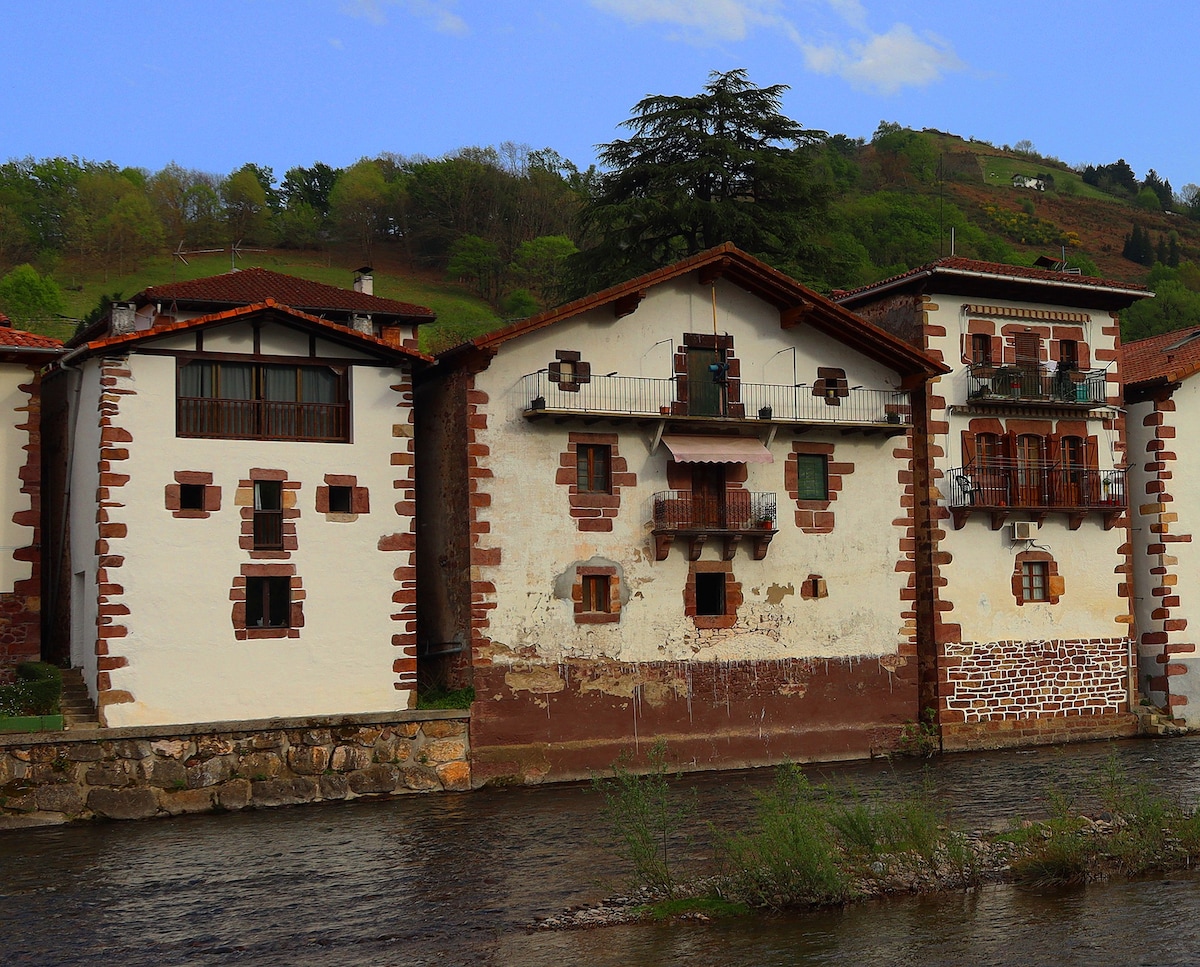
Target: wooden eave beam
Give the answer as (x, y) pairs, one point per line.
(627, 304)
(793, 316)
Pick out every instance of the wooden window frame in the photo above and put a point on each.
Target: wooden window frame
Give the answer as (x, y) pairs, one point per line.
(262, 595)
(593, 582)
(1023, 570)
(593, 468)
(268, 521)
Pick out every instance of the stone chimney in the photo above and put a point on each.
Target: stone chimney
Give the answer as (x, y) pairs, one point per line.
(122, 318)
(362, 323)
(363, 282)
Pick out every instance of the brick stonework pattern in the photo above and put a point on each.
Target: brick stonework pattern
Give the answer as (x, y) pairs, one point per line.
(1167, 634)
(815, 516)
(594, 512)
(483, 554)
(115, 384)
(20, 606)
(291, 511)
(237, 594)
(1009, 680)
(403, 543)
(906, 561)
(212, 494)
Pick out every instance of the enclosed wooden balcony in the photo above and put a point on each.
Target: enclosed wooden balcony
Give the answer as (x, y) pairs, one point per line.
(729, 517)
(1026, 385)
(262, 420)
(1034, 491)
(689, 401)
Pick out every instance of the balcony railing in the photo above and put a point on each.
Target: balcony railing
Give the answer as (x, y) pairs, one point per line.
(635, 396)
(262, 420)
(1002, 487)
(1013, 384)
(730, 516)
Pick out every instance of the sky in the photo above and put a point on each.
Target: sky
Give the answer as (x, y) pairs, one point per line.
(213, 84)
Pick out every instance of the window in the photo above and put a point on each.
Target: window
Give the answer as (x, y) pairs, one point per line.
(981, 349)
(340, 500)
(595, 594)
(710, 593)
(1068, 354)
(268, 602)
(812, 476)
(831, 385)
(191, 497)
(1035, 584)
(569, 371)
(593, 468)
(262, 401)
(268, 515)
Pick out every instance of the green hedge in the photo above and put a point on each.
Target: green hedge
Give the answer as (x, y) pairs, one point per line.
(36, 691)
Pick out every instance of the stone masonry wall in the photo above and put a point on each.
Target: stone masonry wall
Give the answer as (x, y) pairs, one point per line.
(140, 773)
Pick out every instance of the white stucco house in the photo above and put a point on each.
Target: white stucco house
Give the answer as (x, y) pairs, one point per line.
(240, 507)
(1162, 394)
(23, 356)
(680, 508)
(1021, 464)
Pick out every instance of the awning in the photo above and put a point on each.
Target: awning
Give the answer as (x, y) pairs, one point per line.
(717, 449)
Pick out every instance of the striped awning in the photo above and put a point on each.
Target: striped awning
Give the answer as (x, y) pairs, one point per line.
(717, 449)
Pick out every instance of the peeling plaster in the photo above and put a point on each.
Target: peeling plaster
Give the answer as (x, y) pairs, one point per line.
(776, 593)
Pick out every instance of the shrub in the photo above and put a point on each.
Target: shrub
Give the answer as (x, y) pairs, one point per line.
(443, 698)
(36, 691)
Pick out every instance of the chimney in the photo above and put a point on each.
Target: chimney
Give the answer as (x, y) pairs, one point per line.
(122, 318)
(362, 323)
(363, 282)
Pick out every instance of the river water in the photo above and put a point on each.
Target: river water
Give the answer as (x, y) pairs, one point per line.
(457, 879)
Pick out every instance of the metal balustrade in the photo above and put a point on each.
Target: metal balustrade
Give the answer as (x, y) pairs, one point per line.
(735, 399)
(262, 420)
(1007, 485)
(1071, 387)
(734, 510)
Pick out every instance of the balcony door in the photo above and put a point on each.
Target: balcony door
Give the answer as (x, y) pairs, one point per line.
(708, 494)
(1028, 346)
(1031, 470)
(706, 392)
(1074, 472)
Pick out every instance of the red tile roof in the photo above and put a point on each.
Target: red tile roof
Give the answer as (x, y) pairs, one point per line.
(341, 333)
(11, 338)
(755, 276)
(954, 265)
(255, 285)
(1167, 358)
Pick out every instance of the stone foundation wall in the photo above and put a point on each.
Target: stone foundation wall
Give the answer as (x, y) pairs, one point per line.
(139, 773)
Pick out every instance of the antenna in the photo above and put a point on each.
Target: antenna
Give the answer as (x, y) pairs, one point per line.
(235, 252)
(180, 254)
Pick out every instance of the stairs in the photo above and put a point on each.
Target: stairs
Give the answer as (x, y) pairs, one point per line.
(78, 710)
(1155, 722)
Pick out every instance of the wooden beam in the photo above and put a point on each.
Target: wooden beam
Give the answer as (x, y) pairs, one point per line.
(793, 316)
(627, 304)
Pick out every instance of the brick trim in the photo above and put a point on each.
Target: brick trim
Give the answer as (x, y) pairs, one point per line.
(581, 372)
(815, 516)
(1055, 585)
(244, 498)
(212, 494)
(614, 596)
(592, 511)
(360, 498)
(831, 384)
(733, 372)
(403, 542)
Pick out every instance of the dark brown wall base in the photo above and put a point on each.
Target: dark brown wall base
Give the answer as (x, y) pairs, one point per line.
(1050, 730)
(535, 723)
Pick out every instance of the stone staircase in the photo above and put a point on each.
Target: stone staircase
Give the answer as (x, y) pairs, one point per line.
(78, 710)
(1152, 721)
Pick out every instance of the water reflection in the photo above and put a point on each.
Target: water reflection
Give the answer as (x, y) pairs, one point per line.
(456, 879)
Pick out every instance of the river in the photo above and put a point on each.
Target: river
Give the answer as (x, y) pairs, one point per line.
(457, 879)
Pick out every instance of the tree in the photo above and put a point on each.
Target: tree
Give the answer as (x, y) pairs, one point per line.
(477, 261)
(539, 266)
(246, 210)
(26, 296)
(309, 186)
(722, 165)
(1138, 247)
(357, 201)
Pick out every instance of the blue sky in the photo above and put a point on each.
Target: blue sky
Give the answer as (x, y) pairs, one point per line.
(211, 84)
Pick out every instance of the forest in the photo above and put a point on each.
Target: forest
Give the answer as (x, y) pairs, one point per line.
(518, 229)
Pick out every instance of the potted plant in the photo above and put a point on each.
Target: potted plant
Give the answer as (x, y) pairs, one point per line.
(766, 522)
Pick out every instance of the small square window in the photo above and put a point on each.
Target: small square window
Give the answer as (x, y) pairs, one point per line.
(340, 500)
(191, 497)
(595, 594)
(593, 468)
(981, 348)
(1035, 585)
(710, 593)
(812, 476)
(268, 602)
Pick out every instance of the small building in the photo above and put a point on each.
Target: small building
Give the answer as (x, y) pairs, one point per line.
(679, 508)
(1025, 626)
(23, 357)
(1025, 181)
(1162, 396)
(239, 506)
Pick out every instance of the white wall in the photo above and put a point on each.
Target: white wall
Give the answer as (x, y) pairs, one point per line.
(12, 501)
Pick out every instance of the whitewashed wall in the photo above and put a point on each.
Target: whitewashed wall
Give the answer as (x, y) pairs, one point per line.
(12, 501)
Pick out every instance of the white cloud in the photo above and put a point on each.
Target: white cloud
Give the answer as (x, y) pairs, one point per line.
(437, 12)
(882, 62)
(886, 62)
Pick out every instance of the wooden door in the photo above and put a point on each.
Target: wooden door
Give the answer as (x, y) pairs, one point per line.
(1031, 470)
(708, 495)
(1028, 347)
(706, 389)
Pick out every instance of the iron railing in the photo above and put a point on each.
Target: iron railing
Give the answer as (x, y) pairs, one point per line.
(1000, 485)
(998, 384)
(734, 510)
(262, 420)
(735, 399)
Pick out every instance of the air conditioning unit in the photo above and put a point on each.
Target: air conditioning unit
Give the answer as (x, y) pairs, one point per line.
(1023, 530)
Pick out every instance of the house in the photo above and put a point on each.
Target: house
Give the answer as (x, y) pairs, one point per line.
(239, 503)
(1024, 181)
(1025, 628)
(679, 508)
(23, 356)
(1162, 398)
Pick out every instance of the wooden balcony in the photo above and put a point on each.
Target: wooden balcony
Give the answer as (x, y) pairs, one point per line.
(1012, 385)
(262, 420)
(678, 400)
(731, 517)
(1033, 492)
